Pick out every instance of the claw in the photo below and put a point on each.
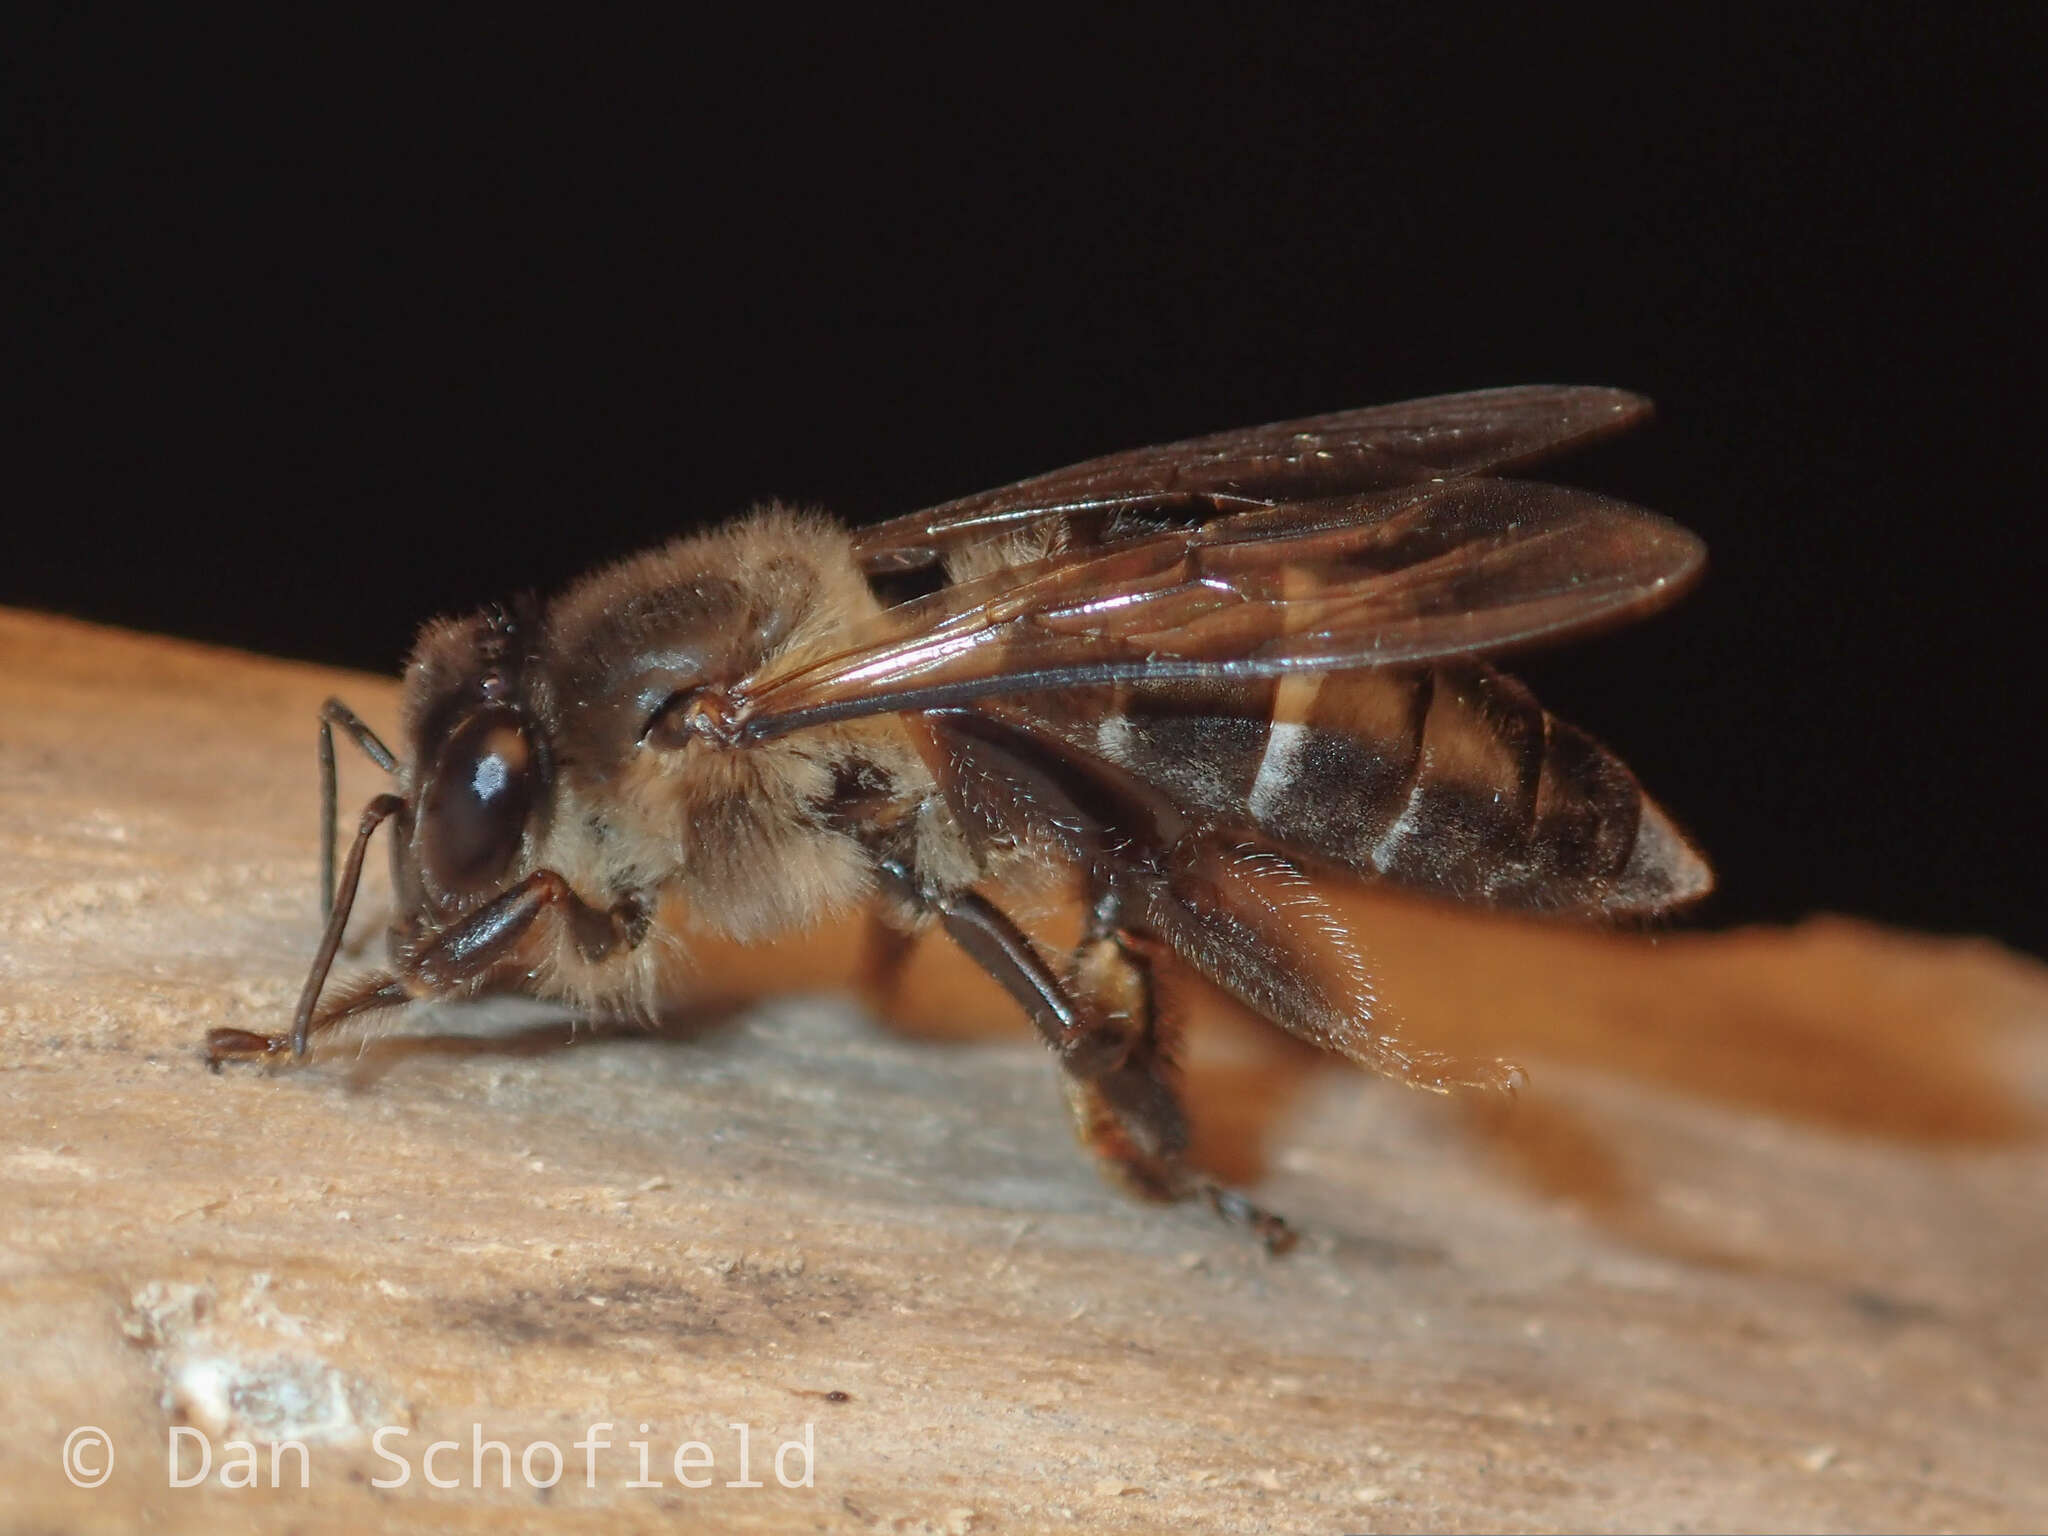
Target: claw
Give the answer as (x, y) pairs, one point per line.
(239, 1044)
(1268, 1228)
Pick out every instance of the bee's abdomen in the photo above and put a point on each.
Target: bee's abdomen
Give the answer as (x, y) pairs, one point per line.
(1450, 779)
(1478, 791)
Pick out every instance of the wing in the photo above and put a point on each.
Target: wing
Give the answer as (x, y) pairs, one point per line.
(1444, 438)
(1413, 574)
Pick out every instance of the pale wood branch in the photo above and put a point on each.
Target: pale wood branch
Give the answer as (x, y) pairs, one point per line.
(1761, 1246)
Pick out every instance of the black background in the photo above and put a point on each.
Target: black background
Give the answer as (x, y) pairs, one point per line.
(323, 334)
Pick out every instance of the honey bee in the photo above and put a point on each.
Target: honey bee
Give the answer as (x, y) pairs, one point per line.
(1182, 686)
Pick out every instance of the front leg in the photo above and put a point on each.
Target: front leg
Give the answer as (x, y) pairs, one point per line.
(452, 961)
(459, 957)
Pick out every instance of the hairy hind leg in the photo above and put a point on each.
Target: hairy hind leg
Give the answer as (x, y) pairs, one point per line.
(1100, 1021)
(1131, 1116)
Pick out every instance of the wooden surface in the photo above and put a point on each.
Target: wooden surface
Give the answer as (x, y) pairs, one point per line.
(1760, 1247)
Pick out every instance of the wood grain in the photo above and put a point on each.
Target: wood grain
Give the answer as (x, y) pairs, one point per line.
(1761, 1247)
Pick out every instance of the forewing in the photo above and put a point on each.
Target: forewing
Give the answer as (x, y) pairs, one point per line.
(1446, 437)
(1414, 574)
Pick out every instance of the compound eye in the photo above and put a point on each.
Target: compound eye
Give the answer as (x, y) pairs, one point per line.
(476, 810)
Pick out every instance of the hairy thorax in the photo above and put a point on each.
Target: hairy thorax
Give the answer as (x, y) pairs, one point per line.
(745, 844)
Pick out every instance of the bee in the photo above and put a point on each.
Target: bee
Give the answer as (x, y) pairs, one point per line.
(1184, 687)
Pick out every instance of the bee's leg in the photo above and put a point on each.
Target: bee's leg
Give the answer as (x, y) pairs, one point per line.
(884, 951)
(1086, 1046)
(1131, 1117)
(364, 995)
(1102, 1026)
(222, 1044)
(334, 713)
(452, 959)
(446, 962)
(374, 992)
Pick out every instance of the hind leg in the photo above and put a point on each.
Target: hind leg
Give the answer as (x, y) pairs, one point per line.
(1131, 1116)
(1100, 1021)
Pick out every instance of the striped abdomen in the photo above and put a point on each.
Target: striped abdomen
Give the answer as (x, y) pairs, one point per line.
(1451, 779)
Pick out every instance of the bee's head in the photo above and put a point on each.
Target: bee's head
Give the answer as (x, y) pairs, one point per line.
(481, 770)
